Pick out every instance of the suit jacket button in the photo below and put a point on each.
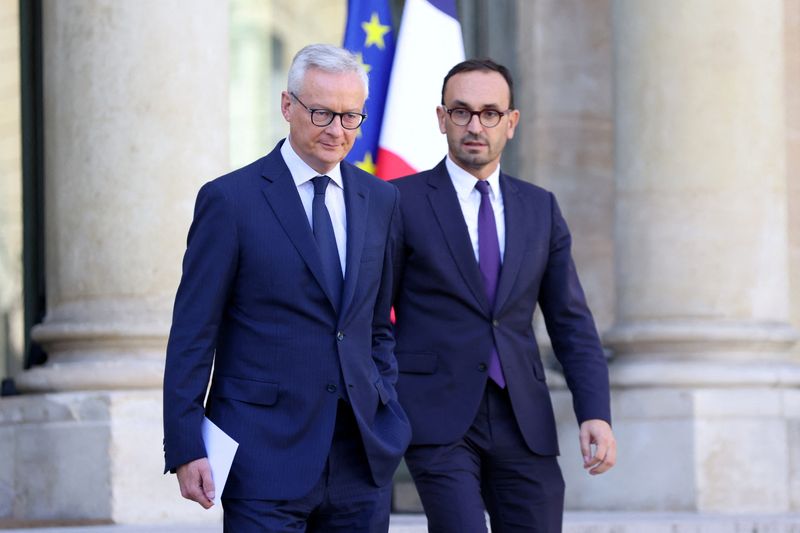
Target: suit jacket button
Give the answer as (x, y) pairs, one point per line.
(482, 367)
(339, 336)
(331, 387)
(495, 323)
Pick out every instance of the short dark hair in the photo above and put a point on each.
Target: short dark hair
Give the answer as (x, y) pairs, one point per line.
(483, 64)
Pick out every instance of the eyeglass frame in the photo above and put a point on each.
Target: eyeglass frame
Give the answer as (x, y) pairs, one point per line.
(500, 114)
(334, 114)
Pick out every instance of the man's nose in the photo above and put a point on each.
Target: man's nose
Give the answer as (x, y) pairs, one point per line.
(335, 127)
(474, 125)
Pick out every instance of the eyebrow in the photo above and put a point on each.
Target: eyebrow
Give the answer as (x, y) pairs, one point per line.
(461, 103)
(318, 107)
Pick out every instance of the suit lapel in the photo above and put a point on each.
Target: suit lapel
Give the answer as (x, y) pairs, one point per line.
(515, 239)
(281, 193)
(356, 201)
(447, 210)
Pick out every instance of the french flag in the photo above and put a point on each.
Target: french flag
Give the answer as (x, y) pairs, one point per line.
(429, 44)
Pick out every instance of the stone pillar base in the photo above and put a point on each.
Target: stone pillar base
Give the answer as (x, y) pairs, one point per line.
(712, 448)
(83, 457)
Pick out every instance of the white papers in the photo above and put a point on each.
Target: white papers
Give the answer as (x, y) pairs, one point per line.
(220, 449)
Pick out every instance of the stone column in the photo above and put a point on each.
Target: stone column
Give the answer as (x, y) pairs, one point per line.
(792, 82)
(136, 119)
(565, 137)
(706, 388)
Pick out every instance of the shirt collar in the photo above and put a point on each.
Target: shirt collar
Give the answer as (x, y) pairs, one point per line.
(301, 172)
(464, 182)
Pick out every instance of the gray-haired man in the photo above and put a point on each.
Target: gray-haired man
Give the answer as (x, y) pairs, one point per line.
(285, 289)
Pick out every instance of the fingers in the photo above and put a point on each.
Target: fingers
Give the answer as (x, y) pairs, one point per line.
(605, 458)
(208, 483)
(586, 445)
(196, 483)
(597, 433)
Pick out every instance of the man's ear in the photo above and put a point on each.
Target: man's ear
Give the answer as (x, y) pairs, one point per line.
(441, 114)
(513, 120)
(286, 104)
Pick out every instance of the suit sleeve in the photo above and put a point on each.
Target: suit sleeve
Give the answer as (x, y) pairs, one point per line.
(383, 342)
(209, 265)
(571, 327)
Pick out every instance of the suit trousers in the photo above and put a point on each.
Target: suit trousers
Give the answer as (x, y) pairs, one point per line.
(344, 500)
(489, 469)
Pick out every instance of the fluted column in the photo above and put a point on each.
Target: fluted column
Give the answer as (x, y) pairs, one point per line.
(136, 119)
(705, 385)
(701, 207)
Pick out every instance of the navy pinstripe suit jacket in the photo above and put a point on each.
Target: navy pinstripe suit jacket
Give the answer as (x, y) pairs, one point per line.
(252, 299)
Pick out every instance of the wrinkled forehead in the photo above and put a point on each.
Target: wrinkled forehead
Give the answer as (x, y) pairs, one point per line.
(321, 86)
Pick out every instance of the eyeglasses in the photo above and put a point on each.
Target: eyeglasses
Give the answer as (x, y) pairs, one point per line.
(323, 117)
(462, 116)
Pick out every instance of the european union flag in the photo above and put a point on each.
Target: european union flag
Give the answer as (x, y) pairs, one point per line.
(369, 34)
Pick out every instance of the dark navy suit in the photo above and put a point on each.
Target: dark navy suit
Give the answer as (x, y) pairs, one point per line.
(445, 327)
(253, 300)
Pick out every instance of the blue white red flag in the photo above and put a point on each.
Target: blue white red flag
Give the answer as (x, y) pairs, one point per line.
(429, 44)
(369, 34)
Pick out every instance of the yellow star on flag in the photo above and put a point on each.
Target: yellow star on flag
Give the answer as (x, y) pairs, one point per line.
(375, 32)
(360, 57)
(367, 164)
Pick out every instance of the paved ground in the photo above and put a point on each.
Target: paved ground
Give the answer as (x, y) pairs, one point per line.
(399, 524)
(574, 523)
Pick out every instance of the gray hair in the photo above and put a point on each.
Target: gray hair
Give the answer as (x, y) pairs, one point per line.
(327, 58)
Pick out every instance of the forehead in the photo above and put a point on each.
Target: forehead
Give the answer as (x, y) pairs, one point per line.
(324, 85)
(478, 89)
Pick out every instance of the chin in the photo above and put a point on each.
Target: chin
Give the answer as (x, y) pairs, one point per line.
(330, 157)
(474, 162)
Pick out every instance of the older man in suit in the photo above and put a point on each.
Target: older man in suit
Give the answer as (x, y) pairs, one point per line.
(479, 250)
(286, 290)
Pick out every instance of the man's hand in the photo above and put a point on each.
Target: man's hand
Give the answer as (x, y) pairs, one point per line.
(598, 433)
(196, 483)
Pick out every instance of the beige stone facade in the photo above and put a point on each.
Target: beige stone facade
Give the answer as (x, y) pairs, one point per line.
(791, 57)
(135, 120)
(669, 131)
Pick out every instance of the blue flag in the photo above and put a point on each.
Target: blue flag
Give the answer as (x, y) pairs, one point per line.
(369, 34)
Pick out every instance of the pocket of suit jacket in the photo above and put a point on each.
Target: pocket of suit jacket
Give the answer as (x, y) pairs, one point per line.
(245, 390)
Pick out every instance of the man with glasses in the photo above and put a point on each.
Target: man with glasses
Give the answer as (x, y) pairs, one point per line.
(479, 250)
(286, 290)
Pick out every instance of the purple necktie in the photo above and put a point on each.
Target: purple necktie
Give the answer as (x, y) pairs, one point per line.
(489, 263)
(326, 239)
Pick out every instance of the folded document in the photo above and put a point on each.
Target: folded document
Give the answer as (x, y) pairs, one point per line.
(220, 450)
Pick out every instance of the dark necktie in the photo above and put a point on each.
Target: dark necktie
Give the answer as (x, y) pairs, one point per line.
(326, 239)
(489, 263)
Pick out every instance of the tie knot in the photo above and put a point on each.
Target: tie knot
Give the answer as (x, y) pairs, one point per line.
(483, 187)
(320, 184)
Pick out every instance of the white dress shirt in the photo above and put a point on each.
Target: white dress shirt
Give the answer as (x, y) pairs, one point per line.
(302, 174)
(470, 200)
